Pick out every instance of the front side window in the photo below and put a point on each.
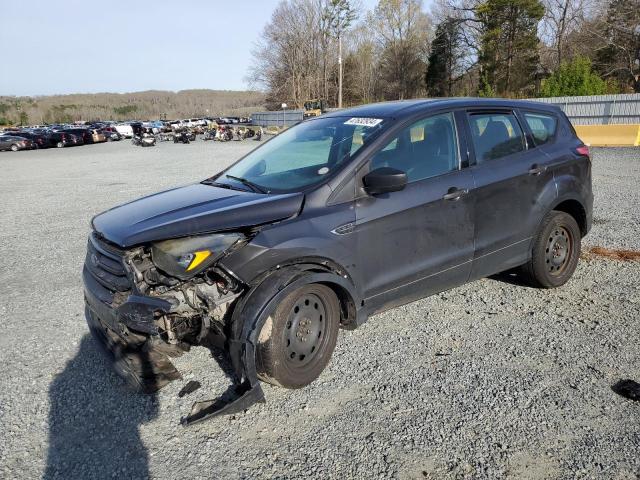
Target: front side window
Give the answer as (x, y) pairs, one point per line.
(306, 154)
(495, 135)
(425, 149)
(543, 127)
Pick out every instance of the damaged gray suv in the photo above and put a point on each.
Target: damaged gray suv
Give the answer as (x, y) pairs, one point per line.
(337, 218)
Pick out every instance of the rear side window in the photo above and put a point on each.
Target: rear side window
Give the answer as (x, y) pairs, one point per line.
(543, 127)
(495, 135)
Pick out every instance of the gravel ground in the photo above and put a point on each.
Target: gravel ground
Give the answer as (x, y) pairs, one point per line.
(488, 380)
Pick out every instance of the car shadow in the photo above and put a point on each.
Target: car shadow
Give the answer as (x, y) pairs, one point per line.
(94, 420)
(512, 277)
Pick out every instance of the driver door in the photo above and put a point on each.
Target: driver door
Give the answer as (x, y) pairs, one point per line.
(419, 240)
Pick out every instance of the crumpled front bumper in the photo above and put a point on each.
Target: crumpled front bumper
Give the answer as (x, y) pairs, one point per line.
(127, 332)
(123, 332)
(137, 312)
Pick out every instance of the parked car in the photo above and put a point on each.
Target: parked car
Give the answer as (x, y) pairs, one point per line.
(111, 134)
(13, 143)
(98, 136)
(83, 135)
(40, 141)
(333, 220)
(124, 129)
(41, 131)
(62, 139)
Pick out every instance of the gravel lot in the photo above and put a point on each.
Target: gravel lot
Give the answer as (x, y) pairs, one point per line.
(488, 380)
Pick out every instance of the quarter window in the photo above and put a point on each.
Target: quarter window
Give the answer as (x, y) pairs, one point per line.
(425, 149)
(543, 127)
(495, 135)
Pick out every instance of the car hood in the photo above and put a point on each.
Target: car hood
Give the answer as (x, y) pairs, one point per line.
(191, 210)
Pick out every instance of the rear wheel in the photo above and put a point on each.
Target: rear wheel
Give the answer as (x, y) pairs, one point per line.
(299, 337)
(59, 144)
(556, 251)
(14, 148)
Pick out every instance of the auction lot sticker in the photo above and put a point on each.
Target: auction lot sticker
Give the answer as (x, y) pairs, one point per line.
(364, 122)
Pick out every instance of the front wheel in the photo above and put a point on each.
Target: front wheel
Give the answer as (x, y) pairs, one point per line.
(298, 338)
(556, 251)
(14, 148)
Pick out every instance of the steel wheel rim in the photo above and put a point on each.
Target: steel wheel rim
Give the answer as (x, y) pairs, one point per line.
(558, 250)
(304, 332)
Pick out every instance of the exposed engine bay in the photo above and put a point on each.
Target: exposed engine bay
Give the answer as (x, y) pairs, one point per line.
(199, 306)
(153, 315)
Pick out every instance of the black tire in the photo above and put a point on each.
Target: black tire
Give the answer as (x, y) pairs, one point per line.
(307, 320)
(556, 251)
(14, 148)
(59, 145)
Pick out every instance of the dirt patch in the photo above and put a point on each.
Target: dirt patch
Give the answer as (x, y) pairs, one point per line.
(613, 254)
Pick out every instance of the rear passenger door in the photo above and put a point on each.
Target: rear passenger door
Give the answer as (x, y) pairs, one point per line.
(510, 176)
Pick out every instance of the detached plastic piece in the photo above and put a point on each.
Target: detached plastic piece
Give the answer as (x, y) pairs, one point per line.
(627, 389)
(190, 387)
(243, 396)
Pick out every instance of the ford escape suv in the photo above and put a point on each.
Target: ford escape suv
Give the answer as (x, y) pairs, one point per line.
(337, 218)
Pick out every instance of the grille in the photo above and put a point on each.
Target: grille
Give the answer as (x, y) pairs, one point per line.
(105, 264)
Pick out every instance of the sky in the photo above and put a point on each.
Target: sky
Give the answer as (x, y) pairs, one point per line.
(75, 46)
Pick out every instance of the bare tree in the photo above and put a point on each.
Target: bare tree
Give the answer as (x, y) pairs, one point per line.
(293, 60)
(339, 15)
(361, 65)
(403, 32)
(562, 18)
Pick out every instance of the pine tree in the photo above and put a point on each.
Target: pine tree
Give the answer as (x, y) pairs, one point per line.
(509, 44)
(620, 58)
(443, 59)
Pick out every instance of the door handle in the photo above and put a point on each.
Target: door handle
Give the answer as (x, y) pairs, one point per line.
(455, 193)
(537, 169)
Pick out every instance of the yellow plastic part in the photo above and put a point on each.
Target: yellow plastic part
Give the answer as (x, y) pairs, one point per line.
(198, 258)
(617, 135)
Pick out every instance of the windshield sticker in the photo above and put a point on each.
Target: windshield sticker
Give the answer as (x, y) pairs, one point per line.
(323, 170)
(364, 121)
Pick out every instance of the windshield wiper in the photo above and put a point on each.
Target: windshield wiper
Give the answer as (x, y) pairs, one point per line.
(248, 183)
(213, 183)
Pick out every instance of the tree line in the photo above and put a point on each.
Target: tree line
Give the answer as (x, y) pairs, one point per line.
(398, 50)
(152, 104)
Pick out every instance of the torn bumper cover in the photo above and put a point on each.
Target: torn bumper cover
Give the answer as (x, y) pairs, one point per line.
(126, 326)
(128, 332)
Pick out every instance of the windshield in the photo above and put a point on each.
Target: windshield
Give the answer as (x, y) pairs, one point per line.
(304, 155)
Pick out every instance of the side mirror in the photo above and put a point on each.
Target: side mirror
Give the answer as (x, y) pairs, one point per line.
(383, 180)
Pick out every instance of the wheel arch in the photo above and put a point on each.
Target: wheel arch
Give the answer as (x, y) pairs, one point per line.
(327, 272)
(263, 295)
(569, 204)
(574, 207)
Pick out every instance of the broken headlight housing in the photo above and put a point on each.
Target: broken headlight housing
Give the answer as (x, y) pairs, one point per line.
(185, 257)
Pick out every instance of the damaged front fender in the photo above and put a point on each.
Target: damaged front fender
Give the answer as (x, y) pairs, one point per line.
(249, 316)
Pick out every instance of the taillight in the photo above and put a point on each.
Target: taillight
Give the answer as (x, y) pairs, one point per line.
(583, 150)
